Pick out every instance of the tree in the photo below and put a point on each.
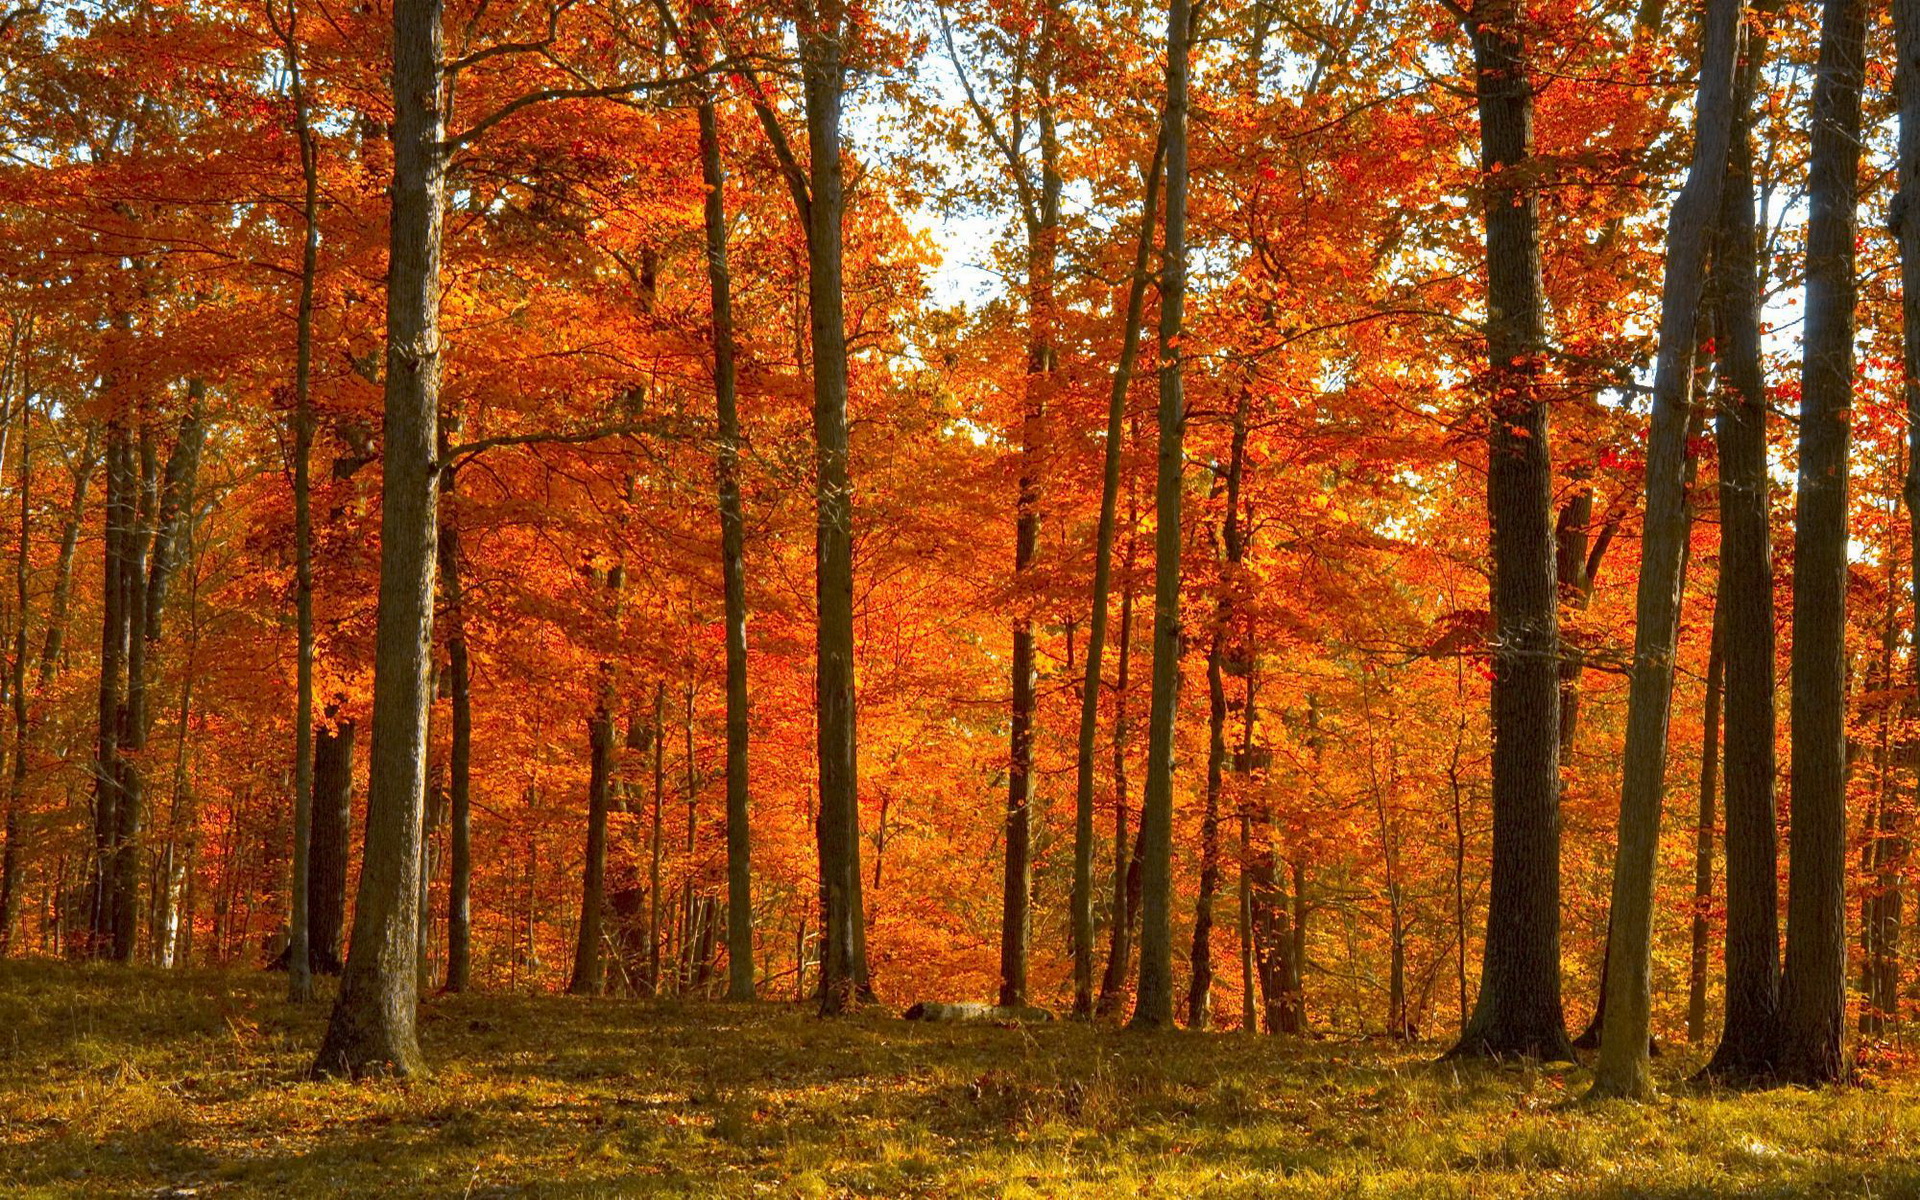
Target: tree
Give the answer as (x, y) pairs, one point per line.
(1153, 1006)
(1813, 984)
(1518, 1012)
(372, 1029)
(1745, 1052)
(1623, 1068)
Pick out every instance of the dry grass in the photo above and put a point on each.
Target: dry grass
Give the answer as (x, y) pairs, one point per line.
(137, 1083)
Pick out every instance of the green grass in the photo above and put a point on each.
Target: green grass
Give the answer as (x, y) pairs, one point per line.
(116, 1082)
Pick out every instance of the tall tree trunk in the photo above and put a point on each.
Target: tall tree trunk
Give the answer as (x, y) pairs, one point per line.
(1115, 448)
(460, 748)
(332, 839)
(1813, 984)
(589, 970)
(1904, 220)
(1233, 543)
(299, 927)
(654, 842)
(1518, 1012)
(113, 656)
(51, 648)
(1200, 979)
(1126, 863)
(1703, 837)
(372, 1028)
(1883, 853)
(823, 34)
(1624, 1067)
(732, 561)
(1043, 235)
(17, 785)
(1153, 1006)
(1745, 1052)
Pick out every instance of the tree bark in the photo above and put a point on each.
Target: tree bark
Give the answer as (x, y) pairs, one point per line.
(1518, 1012)
(1126, 863)
(1745, 1052)
(52, 648)
(372, 1029)
(1624, 1067)
(732, 561)
(460, 748)
(1697, 959)
(17, 785)
(589, 970)
(1233, 544)
(1813, 983)
(1153, 1007)
(823, 34)
(299, 926)
(1904, 221)
(1083, 1002)
(332, 839)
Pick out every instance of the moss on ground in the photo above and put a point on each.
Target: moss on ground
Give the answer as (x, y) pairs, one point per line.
(132, 1082)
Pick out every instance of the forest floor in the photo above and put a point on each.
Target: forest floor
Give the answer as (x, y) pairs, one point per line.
(134, 1083)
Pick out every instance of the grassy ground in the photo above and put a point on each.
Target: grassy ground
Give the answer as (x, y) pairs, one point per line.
(136, 1083)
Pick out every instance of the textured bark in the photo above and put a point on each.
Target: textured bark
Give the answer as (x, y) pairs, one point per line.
(17, 783)
(1119, 949)
(1042, 218)
(1745, 1052)
(300, 921)
(1233, 546)
(1904, 221)
(1153, 1007)
(332, 841)
(1126, 863)
(1518, 1012)
(460, 746)
(1703, 825)
(372, 1029)
(1813, 983)
(823, 32)
(1624, 1066)
(1200, 957)
(659, 735)
(589, 964)
(113, 650)
(52, 648)
(732, 561)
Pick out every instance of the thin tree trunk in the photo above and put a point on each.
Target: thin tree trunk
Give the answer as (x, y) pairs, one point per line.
(1200, 981)
(460, 749)
(113, 651)
(1813, 984)
(823, 32)
(1126, 863)
(1745, 1052)
(589, 970)
(1624, 1067)
(1518, 1012)
(1198, 995)
(732, 562)
(1083, 1002)
(299, 927)
(654, 845)
(51, 648)
(372, 1028)
(17, 787)
(1153, 1006)
(1697, 959)
(1904, 221)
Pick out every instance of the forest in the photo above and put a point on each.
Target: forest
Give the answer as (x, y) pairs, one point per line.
(1381, 530)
